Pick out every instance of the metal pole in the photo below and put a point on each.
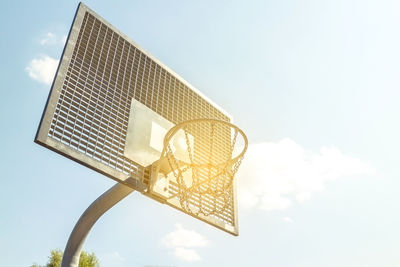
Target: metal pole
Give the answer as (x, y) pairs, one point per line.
(78, 236)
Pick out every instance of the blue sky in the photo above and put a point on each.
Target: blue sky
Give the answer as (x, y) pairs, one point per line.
(315, 85)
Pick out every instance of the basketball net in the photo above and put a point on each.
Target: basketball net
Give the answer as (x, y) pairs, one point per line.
(205, 164)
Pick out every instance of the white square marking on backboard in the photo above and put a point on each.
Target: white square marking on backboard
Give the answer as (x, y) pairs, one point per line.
(145, 135)
(157, 136)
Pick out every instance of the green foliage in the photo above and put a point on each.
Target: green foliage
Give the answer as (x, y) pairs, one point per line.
(55, 258)
(86, 259)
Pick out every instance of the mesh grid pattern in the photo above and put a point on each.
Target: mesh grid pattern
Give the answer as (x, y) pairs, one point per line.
(104, 73)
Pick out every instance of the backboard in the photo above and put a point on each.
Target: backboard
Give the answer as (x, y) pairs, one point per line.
(111, 104)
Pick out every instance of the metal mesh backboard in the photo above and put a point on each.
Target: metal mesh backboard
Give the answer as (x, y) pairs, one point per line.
(87, 115)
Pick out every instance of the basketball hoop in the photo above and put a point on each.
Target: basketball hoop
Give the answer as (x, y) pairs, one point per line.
(202, 157)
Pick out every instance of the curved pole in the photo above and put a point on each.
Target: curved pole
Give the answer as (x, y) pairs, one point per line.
(102, 204)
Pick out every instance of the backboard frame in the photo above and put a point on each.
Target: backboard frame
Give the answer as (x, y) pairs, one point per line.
(134, 181)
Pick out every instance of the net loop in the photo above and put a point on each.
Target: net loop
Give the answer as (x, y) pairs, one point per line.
(204, 169)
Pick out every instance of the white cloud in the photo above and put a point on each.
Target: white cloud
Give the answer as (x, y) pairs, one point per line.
(64, 39)
(182, 237)
(182, 241)
(185, 254)
(287, 220)
(52, 39)
(48, 39)
(273, 175)
(42, 69)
